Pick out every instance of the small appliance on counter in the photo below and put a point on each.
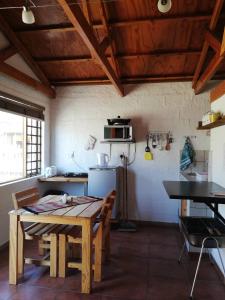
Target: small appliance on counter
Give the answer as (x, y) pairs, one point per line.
(50, 171)
(102, 159)
(118, 130)
(74, 175)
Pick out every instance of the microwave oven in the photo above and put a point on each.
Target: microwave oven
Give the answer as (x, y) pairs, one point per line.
(118, 133)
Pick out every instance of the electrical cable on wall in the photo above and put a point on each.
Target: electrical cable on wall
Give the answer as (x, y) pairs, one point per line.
(134, 155)
(76, 163)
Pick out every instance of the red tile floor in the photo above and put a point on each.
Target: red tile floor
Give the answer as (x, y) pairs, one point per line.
(143, 266)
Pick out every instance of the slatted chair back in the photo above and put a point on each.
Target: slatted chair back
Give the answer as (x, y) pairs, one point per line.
(26, 197)
(107, 207)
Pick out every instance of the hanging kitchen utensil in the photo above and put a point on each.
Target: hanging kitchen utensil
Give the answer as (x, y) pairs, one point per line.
(160, 141)
(167, 148)
(148, 153)
(154, 142)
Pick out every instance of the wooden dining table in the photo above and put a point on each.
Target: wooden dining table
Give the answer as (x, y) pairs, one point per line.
(81, 215)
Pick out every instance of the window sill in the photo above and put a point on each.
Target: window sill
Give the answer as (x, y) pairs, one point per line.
(19, 180)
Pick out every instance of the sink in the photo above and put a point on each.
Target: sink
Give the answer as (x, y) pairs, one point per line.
(191, 174)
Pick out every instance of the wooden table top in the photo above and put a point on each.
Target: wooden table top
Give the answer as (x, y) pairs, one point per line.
(198, 191)
(64, 179)
(69, 214)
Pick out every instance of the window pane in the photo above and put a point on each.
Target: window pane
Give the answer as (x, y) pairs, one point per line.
(34, 156)
(34, 140)
(12, 146)
(29, 140)
(34, 130)
(33, 146)
(34, 122)
(33, 165)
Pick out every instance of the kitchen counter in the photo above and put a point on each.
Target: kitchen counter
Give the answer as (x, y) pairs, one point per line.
(196, 177)
(64, 179)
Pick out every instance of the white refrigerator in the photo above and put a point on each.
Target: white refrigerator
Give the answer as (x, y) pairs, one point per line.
(101, 181)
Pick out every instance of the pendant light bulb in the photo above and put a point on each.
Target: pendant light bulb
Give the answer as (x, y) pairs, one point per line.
(27, 15)
(164, 5)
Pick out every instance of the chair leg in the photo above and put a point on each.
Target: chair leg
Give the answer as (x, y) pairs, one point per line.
(62, 255)
(20, 250)
(53, 255)
(182, 252)
(98, 255)
(197, 269)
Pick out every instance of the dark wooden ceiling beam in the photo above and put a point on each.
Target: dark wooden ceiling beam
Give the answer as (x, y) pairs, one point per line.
(222, 51)
(108, 32)
(214, 19)
(25, 79)
(218, 91)
(78, 20)
(212, 67)
(208, 73)
(181, 77)
(86, 11)
(7, 53)
(68, 27)
(105, 43)
(212, 41)
(127, 80)
(12, 37)
(118, 56)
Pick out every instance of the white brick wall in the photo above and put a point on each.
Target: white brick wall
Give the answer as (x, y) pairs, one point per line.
(217, 145)
(83, 110)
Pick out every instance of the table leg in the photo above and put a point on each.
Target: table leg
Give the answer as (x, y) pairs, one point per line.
(13, 249)
(86, 256)
(183, 208)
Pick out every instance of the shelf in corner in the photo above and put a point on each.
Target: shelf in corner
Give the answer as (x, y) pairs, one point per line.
(118, 142)
(220, 122)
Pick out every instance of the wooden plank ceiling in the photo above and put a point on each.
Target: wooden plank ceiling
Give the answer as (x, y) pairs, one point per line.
(142, 45)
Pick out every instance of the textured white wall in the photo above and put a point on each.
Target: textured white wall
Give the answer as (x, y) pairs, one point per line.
(83, 110)
(15, 88)
(217, 145)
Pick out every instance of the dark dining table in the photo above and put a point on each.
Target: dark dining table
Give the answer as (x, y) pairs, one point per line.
(206, 192)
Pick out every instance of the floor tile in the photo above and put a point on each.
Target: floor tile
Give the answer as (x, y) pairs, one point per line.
(161, 288)
(164, 252)
(208, 290)
(167, 269)
(143, 266)
(33, 293)
(6, 291)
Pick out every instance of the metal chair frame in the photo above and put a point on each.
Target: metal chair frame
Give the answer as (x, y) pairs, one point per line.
(199, 260)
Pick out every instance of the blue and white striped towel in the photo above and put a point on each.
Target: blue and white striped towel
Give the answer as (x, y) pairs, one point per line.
(187, 155)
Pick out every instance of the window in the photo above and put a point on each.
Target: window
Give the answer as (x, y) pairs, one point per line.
(20, 146)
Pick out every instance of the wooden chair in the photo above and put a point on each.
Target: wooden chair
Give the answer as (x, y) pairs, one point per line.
(46, 234)
(101, 240)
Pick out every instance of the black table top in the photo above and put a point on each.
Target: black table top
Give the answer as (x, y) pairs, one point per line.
(200, 191)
